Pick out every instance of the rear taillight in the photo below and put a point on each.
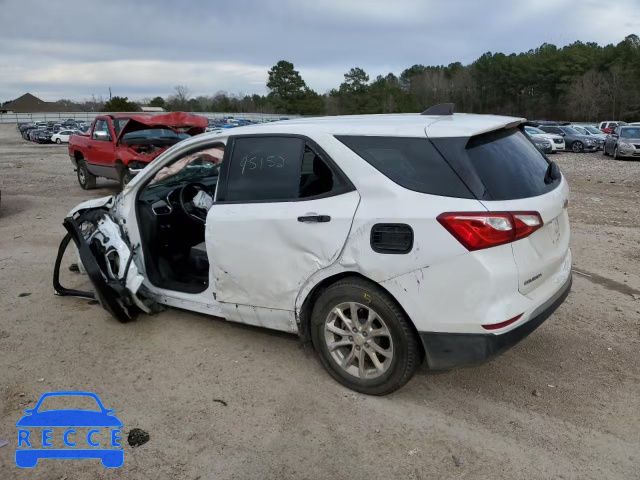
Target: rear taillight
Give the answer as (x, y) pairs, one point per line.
(477, 230)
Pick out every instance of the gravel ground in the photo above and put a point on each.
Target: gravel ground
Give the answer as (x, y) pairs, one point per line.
(220, 400)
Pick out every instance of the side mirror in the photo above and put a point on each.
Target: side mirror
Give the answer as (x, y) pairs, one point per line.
(563, 134)
(100, 135)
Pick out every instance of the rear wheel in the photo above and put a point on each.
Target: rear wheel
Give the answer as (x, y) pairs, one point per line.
(363, 338)
(86, 179)
(577, 147)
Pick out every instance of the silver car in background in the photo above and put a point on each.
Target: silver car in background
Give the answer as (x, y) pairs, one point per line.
(623, 142)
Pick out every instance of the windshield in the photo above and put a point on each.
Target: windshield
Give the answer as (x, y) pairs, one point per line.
(154, 133)
(570, 130)
(533, 131)
(630, 132)
(591, 129)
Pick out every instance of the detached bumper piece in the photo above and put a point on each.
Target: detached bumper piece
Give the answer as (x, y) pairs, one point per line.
(449, 350)
(112, 295)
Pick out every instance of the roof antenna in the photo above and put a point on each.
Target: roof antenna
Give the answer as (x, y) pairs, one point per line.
(441, 109)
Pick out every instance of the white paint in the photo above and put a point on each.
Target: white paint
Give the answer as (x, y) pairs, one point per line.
(264, 262)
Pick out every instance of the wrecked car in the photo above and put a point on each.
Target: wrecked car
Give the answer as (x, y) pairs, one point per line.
(118, 146)
(385, 241)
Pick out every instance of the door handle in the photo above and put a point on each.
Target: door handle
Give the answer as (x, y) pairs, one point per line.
(315, 219)
(89, 147)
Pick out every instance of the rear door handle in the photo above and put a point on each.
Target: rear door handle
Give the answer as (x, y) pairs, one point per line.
(315, 219)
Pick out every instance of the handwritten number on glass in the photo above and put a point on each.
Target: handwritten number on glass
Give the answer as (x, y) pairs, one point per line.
(260, 163)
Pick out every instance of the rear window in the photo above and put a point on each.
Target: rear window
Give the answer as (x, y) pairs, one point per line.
(508, 165)
(412, 163)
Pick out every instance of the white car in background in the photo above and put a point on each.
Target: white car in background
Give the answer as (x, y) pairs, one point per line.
(63, 136)
(557, 141)
(383, 240)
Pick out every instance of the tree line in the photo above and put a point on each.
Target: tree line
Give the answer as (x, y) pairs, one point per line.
(578, 82)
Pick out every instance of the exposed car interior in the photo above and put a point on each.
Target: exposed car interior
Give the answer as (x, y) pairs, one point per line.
(172, 210)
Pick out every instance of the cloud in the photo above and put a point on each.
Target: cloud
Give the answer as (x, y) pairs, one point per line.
(148, 46)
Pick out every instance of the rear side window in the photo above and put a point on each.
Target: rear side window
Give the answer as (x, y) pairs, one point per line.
(508, 165)
(411, 162)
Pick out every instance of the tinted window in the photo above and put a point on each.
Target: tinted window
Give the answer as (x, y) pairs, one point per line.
(316, 177)
(509, 165)
(551, 129)
(263, 168)
(412, 163)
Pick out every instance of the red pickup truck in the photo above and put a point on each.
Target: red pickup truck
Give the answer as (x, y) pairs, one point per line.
(119, 146)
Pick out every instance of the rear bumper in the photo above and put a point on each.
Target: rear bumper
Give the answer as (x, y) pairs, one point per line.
(448, 350)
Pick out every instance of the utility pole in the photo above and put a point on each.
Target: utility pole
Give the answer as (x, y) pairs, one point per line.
(109, 93)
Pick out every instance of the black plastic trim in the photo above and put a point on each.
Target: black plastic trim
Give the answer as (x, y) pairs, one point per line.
(378, 249)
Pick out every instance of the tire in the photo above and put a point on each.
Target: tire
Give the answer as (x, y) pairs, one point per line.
(604, 151)
(577, 147)
(86, 179)
(58, 141)
(124, 176)
(615, 153)
(399, 339)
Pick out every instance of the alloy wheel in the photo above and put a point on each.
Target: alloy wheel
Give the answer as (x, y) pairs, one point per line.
(358, 340)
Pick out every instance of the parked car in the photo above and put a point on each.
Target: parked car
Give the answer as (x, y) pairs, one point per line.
(63, 136)
(384, 240)
(607, 126)
(623, 142)
(542, 144)
(43, 136)
(573, 140)
(593, 132)
(118, 147)
(557, 141)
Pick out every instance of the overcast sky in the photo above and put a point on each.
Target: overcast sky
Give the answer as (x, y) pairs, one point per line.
(142, 48)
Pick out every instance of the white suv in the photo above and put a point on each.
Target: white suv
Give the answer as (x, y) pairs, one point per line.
(384, 240)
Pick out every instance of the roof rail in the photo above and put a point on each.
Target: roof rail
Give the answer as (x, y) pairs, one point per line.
(440, 109)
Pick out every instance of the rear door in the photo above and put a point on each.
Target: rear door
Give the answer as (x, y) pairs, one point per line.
(283, 211)
(513, 172)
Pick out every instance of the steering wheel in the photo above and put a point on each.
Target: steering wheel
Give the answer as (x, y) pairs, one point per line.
(195, 214)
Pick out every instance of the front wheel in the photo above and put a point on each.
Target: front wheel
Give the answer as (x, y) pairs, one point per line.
(577, 147)
(58, 141)
(86, 179)
(125, 176)
(616, 156)
(363, 338)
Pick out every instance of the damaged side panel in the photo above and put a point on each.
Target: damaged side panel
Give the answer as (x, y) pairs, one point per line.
(108, 260)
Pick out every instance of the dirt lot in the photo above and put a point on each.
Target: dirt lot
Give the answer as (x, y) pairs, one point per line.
(565, 403)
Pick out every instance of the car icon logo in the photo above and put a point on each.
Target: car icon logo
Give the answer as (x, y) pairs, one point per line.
(81, 433)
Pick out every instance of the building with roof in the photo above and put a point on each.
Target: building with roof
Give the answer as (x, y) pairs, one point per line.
(28, 103)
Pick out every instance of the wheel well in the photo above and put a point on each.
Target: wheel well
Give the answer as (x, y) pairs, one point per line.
(78, 155)
(306, 310)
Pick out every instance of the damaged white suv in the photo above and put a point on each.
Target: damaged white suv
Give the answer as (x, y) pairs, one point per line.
(384, 240)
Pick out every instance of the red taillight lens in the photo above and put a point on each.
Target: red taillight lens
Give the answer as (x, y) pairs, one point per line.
(478, 230)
